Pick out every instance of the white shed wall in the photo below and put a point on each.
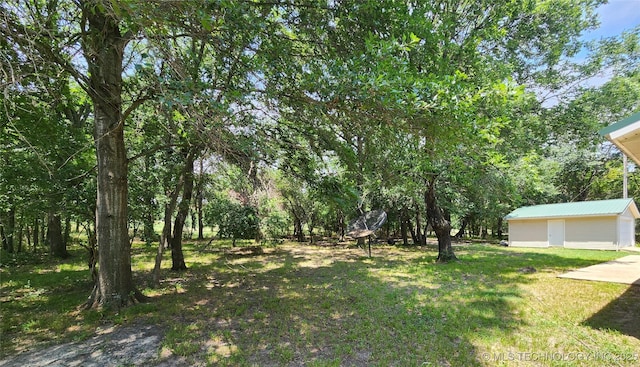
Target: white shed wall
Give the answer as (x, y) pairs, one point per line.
(598, 233)
(528, 233)
(627, 229)
(591, 233)
(628, 214)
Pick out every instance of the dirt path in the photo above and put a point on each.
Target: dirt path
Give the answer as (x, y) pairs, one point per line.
(136, 345)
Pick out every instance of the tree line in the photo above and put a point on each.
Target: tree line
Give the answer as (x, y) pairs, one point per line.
(273, 118)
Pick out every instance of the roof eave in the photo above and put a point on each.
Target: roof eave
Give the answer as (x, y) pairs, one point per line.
(567, 216)
(620, 125)
(624, 135)
(634, 209)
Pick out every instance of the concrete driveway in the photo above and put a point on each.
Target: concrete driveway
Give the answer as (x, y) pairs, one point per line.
(624, 270)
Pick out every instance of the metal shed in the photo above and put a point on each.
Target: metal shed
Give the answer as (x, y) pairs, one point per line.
(602, 224)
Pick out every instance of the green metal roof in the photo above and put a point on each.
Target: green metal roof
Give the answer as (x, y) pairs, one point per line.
(620, 124)
(577, 209)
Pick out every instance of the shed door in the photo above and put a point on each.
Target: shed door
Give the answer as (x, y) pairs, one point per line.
(555, 231)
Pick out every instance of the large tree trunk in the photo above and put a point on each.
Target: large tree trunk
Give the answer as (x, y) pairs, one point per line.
(103, 46)
(57, 246)
(441, 226)
(177, 256)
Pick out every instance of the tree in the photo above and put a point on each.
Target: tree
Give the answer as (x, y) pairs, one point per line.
(103, 47)
(50, 34)
(575, 144)
(46, 154)
(442, 71)
(103, 32)
(240, 222)
(177, 255)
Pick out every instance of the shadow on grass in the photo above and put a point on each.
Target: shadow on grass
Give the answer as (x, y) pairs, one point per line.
(319, 306)
(622, 314)
(305, 305)
(37, 295)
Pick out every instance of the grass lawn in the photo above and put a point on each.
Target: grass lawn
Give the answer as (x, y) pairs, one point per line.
(296, 304)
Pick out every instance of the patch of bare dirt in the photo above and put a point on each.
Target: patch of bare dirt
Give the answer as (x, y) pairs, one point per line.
(135, 345)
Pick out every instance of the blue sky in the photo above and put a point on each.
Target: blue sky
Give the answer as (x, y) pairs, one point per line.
(616, 17)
